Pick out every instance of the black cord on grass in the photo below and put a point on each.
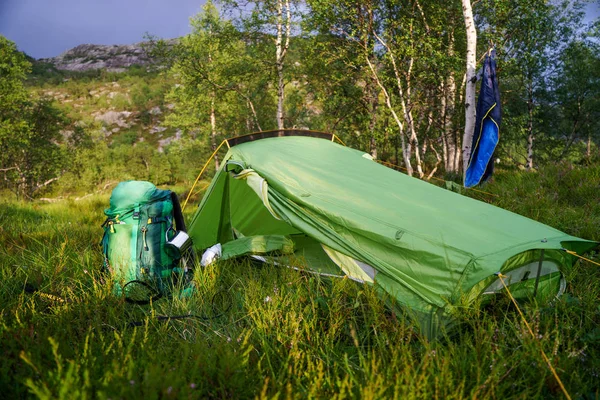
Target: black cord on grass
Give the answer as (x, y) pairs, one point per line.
(167, 318)
(30, 289)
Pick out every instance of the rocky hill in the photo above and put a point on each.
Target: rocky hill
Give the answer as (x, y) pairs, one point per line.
(112, 58)
(102, 88)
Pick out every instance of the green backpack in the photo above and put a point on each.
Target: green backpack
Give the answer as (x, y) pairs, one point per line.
(142, 242)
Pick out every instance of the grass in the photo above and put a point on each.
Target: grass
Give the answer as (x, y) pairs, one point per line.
(266, 332)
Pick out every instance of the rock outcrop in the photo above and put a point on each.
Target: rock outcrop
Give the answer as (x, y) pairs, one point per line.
(113, 58)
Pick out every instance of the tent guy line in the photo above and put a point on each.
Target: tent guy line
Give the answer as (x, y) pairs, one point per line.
(560, 383)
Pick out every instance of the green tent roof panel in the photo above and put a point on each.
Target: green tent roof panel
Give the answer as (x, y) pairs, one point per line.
(431, 249)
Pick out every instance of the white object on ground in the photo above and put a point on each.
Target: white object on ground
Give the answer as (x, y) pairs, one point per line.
(211, 255)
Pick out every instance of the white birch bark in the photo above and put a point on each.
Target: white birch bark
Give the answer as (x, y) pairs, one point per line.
(530, 136)
(451, 139)
(281, 47)
(388, 102)
(404, 98)
(444, 132)
(470, 83)
(213, 120)
(213, 129)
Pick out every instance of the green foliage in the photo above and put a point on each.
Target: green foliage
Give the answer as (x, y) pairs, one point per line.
(13, 96)
(33, 150)
(13, 70)
(42, 155)
(574, 104)
(217, 74)
(531, 36)
(265, 331)
(224, 72)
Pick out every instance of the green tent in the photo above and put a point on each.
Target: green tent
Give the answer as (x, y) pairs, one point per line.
(299, 199)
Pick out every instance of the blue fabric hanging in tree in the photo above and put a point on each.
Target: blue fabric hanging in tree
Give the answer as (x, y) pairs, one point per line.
(487, 126)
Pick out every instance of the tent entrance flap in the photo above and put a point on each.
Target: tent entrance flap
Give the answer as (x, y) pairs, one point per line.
(251, 211)
(259, 185)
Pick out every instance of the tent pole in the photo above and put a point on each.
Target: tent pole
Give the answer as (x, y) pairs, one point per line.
(539, 271)
(334, 137)
(201, 172)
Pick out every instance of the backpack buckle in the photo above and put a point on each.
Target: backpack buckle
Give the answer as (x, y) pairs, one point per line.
(136, 212)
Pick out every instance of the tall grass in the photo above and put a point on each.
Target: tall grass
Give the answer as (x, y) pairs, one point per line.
(260, 331)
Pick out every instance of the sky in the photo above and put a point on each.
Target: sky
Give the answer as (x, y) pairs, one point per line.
(47, 28)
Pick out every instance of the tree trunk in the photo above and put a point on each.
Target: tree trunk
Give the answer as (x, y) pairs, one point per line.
(413, 134)
(444, 135)
(405, 103)
(457, 134)
(374, 100)
(449, 100)
(213, 130)
(530, 136)
(588, 153)
(280, 96)
(407, 109)
(450, 139)
(438, 158)
(281, 51)
(388, 103)
(470, 83)
(373, 147)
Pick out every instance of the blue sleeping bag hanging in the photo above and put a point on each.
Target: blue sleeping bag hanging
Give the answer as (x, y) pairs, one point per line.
(487, 126)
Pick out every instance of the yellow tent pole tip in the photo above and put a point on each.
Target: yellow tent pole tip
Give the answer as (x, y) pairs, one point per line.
(201, 172)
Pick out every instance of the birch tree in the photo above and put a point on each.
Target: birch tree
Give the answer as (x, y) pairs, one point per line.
(348, 24)
(282, 44)
(404, 88)
(451, 138)
(216, 80)
(405, 56)
(470, 82)
(271, 20)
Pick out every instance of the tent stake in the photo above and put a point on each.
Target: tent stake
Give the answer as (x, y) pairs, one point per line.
(539, 271)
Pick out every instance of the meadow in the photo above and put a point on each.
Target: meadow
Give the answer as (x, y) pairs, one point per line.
(261, 331)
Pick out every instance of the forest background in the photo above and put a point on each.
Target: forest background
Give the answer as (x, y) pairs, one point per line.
(385, 77)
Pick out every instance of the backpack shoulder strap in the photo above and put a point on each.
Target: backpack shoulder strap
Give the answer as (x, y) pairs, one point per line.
(177, 213)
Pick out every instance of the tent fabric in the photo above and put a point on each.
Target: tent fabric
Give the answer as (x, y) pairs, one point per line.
(431, 249)
(487, 126)
(259, 244)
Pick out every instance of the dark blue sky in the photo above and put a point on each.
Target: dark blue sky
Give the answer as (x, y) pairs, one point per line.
(46, 28)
